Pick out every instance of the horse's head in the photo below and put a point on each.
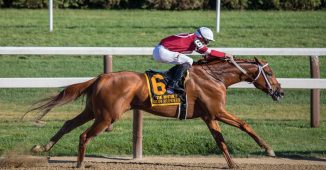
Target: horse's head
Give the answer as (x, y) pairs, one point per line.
(266, 81)
(260, 74)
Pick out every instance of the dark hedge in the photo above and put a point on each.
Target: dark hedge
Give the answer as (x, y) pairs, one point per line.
(171, 4)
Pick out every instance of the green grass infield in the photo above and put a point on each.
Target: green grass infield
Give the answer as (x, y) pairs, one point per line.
(285, 125)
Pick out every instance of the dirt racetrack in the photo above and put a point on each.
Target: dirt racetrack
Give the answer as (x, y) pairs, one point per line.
(166, 163)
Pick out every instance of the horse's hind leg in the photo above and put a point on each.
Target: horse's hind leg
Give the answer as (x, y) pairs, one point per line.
(68, 126)
(236, 122)
(99, 126)
(215, 130)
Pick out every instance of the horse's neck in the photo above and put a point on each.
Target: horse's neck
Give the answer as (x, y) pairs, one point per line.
(234, 75)
(228, 74)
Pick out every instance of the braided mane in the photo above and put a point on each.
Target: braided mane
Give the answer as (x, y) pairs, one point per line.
(215, 60)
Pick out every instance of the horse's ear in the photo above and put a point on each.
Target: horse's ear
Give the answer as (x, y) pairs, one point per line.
(257, 61)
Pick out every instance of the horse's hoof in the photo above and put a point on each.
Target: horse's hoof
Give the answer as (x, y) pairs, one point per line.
(79, 165)
(270, 153)
(38, 149)
(109, 129)
(39, 123)
(233, 166)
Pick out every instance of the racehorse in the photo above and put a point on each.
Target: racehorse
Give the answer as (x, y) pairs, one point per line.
(108, 96)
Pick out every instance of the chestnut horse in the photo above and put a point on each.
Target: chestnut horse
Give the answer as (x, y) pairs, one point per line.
(110, 95)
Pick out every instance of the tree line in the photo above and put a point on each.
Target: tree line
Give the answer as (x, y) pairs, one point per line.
(170, 4)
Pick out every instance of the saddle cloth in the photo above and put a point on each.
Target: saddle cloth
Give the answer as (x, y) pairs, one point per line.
(157, 86)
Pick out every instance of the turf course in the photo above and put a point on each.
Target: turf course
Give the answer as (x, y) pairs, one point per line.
(284, 125)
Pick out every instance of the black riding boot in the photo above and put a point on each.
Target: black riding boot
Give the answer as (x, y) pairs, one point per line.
(176, 84)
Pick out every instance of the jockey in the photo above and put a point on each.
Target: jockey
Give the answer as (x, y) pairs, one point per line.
(172, 50)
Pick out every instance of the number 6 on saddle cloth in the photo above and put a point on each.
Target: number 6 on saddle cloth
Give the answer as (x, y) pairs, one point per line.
(158, 81)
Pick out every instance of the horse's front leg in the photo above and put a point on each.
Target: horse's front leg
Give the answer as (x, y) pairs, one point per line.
(68, 126)
(215, 130)
(228, 118)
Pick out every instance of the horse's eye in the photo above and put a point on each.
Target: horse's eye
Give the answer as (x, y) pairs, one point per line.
(269, 73)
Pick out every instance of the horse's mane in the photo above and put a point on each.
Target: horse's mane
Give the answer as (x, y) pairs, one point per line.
(215, 60)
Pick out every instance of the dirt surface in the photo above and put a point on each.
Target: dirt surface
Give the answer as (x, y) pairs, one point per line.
(166, 163)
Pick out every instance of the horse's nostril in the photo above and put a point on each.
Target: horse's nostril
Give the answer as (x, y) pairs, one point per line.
(281, 93)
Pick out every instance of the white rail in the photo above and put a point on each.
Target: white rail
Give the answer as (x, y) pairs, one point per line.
(149, 50)
(62, 82)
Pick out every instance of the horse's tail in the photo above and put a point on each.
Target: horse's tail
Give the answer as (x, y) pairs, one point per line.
(70, 93)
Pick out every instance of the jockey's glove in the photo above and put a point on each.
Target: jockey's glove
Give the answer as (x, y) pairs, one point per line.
(228, 56)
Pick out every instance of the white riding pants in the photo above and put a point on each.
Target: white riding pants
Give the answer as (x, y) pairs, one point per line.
(161, 54)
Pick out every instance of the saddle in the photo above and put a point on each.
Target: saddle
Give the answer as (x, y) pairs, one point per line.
(157, 82)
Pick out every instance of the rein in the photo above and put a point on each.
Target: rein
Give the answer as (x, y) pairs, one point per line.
(238, 66)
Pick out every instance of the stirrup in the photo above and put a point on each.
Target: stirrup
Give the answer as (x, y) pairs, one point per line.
(169, 90)
(178, 89)
(175, 87)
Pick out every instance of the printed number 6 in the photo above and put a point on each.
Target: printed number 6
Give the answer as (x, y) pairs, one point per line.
(198, 43)
(156, 84)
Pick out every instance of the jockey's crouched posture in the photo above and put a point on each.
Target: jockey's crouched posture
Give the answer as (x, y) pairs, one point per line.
(172, 50)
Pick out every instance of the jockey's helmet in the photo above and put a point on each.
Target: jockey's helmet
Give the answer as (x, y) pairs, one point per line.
(205, 33)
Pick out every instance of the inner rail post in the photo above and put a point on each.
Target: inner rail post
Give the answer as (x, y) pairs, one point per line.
(107, 62)
(137, 134)
(314, 93)
(107, 59)
(137, 118)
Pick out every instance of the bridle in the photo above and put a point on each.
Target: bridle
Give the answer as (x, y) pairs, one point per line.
(274, 93)
(260, 72)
